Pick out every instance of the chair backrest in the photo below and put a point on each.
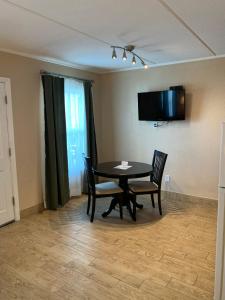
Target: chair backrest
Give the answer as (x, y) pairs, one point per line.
(89, 174)
(158, 163)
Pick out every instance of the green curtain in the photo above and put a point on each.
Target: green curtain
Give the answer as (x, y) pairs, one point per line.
(90, 124)
(91, 136)
(56, 167)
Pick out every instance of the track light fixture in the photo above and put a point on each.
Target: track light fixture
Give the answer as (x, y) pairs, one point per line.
(128, 49)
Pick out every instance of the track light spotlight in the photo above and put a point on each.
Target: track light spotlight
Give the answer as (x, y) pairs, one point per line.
(133, 60)
(114, 56)
(144, 65)
(124, 55)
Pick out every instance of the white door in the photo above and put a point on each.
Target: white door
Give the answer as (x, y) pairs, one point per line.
(6, 188)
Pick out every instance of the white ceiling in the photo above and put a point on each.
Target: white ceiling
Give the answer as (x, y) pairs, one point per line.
(80, 32)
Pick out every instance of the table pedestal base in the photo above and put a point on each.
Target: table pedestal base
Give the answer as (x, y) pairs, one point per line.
(113, 204)
(127, 200)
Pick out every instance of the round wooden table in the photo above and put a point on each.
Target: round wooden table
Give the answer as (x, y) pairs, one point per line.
(137, 170)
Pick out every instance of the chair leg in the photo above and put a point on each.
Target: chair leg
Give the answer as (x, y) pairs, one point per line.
(134, 207)
(93, 208)
(130, 211)
(89, 202)
(121, 208)
(159, 202)
(153, 202)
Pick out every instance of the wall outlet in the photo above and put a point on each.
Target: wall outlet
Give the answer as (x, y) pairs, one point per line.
(167, 178)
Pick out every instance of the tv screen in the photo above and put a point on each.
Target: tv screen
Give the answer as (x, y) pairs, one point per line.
(161, 106)
(150, 106)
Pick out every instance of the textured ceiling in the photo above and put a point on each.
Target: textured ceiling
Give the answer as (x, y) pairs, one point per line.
(80, 32)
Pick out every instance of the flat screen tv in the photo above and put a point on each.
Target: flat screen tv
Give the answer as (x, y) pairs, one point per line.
(161, 105)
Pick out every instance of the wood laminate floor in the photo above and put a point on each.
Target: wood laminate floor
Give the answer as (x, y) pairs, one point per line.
(61, 255)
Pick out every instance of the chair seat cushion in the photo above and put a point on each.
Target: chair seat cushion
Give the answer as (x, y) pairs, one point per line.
(143, 186)
(107, 188)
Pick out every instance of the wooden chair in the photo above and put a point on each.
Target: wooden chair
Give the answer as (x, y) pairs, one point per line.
(100, 190)
(154, 185)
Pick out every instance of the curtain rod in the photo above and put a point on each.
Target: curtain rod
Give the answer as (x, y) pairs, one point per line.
(65, 76)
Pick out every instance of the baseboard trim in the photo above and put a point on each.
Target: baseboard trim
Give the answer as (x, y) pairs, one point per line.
(165, 195)
(32, 210)
(184, 197)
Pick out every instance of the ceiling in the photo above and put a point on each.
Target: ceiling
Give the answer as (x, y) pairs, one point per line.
(80, 32)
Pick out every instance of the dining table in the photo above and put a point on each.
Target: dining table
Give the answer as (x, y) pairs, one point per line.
(116, 170)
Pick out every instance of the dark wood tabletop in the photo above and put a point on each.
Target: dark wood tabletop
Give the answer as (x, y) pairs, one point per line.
(138, 169)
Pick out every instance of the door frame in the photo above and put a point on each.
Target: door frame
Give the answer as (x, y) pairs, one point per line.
(6, 82)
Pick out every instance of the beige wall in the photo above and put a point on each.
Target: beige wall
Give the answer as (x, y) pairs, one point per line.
(25, 83)
(192, 145)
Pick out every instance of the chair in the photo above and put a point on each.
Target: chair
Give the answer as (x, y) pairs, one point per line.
(154, 185)
(100, 190)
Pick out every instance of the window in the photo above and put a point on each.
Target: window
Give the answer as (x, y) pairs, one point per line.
(76, 133)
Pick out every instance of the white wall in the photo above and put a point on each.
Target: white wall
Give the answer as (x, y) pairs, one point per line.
(192, 145)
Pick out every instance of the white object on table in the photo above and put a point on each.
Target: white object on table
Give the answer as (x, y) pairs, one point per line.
(122, 167)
